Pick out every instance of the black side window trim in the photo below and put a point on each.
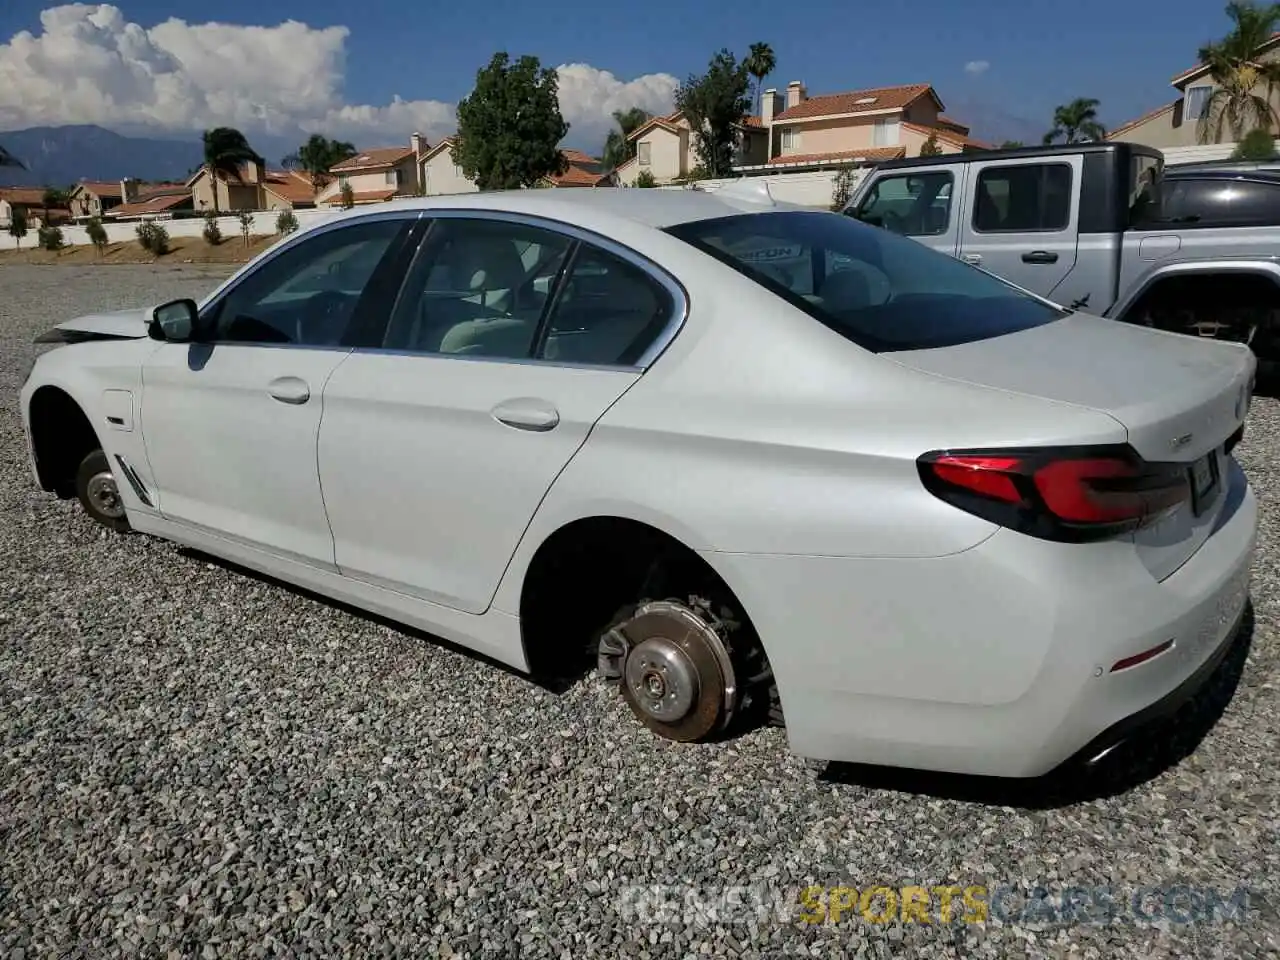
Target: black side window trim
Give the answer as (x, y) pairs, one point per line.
(1044, 167)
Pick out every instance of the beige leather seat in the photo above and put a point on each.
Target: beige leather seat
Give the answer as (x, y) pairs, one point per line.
(491, 269)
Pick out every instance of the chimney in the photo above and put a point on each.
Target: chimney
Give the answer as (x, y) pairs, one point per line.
(253, 171)
(770, 106)
(419, 145)
(795, 93)
(128, 190)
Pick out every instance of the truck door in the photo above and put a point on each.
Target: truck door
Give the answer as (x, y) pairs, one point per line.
(919, 202)
(1022, 220)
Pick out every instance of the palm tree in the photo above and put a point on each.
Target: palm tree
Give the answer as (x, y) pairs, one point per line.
(7, 159)
(760, 63)
(225, 150)
(617, 148)
(1236, 105)
(1076, 121)
(318, 155)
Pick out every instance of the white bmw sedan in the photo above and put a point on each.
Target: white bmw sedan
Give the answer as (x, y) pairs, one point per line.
(747, 459)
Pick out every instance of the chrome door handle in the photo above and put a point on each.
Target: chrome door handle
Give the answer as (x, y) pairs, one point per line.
(527, 413)
(289, 390)
(974, 258)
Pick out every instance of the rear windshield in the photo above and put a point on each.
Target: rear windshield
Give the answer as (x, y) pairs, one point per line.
(882, 291)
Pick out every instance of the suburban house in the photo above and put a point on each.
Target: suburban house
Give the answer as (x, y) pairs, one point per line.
(667, 149)
(1178, 124)
(151, 200)
(91, 198)
(30, 200)
(256, 189)
(796, 133)
(376, 175)
(440, 175)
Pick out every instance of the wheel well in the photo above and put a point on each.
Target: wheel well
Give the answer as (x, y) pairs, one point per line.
(588, 571)
(1205, 292)
(61, 436)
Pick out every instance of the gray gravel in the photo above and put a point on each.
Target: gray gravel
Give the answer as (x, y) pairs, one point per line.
(194, 762)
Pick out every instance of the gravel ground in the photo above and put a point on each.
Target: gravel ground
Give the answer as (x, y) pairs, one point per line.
(194, 762)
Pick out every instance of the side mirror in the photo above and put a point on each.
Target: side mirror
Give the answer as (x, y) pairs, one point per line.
(174, 322)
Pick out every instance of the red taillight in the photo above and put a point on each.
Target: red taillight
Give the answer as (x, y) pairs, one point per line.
(1068, 494)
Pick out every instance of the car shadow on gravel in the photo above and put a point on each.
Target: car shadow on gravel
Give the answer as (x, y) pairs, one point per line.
(1150, 752)
(553, 685)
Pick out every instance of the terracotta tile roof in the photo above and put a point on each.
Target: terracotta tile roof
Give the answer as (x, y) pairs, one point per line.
(107, 191)
(872, 155)
(23, 196)
(1149, 115)
(950, 136)
(857, 101)
(1201, 67)
(289, 185)
(373, 159)
(363, 196)
(953, 124)
(579, 158)
(752, 122)
(158, 203)
(666, 123)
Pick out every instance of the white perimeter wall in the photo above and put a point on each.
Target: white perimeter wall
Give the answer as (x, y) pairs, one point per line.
(264, 223)
(806, 189)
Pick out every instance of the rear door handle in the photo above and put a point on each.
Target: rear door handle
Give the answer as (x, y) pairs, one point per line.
(527, 413)
(974, 258)
(289, 390)
(1039, 256)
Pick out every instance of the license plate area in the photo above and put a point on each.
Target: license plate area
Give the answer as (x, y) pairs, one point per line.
(1203, 477)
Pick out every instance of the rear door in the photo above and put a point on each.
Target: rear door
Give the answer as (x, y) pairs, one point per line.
(919, 203)
(1022, 220)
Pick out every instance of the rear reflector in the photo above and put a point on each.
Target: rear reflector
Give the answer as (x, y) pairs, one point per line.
(1071, 494)
(1142, 657)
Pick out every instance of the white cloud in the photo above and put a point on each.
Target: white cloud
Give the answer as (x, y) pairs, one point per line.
(977, 67)
(89, 64)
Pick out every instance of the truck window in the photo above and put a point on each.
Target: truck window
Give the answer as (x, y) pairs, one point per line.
(911, 204)
(1188, 203)
(1023, 199)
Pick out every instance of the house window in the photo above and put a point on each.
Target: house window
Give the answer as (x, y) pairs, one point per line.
(642, 152)
(395, 177)
(885, 133)
(1196, 106)
(789, 138)
(343, 182)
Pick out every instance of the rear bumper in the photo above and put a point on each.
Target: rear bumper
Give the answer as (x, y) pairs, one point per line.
(996, 660)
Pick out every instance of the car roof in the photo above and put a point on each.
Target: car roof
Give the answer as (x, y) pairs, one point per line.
(1207, 173)
(651, 207)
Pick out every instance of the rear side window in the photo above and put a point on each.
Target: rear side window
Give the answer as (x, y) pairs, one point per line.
(912, 204)
(1023, 198)
(1189, 202)
(882, 291)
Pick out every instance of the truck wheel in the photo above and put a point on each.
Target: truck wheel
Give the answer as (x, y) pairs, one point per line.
(99, 494)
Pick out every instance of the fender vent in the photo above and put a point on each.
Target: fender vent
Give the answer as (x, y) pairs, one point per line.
(134, 481)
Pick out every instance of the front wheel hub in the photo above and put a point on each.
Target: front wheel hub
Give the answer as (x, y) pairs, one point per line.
(676, 673)
(104, 494)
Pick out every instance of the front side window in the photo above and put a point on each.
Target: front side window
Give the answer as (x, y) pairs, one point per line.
(879, 290)
(1032, 197)
(308, 294)
(912, 204)
(478, 288)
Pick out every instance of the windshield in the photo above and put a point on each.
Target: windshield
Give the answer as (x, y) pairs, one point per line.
(882, 291)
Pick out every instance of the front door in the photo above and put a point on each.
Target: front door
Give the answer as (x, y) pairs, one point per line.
(509, 341)
(1022, 220)
(231, 422)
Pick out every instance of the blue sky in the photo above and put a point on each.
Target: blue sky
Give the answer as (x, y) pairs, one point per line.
(1040, 52)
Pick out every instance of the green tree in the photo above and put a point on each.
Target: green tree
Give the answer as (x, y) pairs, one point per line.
(246, 226)
(97, 234)
(617, 148)
(714, 105)
(318, 156)
(7, 159)
(18, 224)
(1076, 121)
(52, 198)
(510, 125)
(842, 185)
(1011, 145)
(1243, 84)
(930, 146)
(286, 222)
(760, 63)
(212, 231)
(1257, 144)
(225, 150)
(348, 196)
(645, 178)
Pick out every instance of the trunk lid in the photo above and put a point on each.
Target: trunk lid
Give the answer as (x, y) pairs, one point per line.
(1178, 397)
